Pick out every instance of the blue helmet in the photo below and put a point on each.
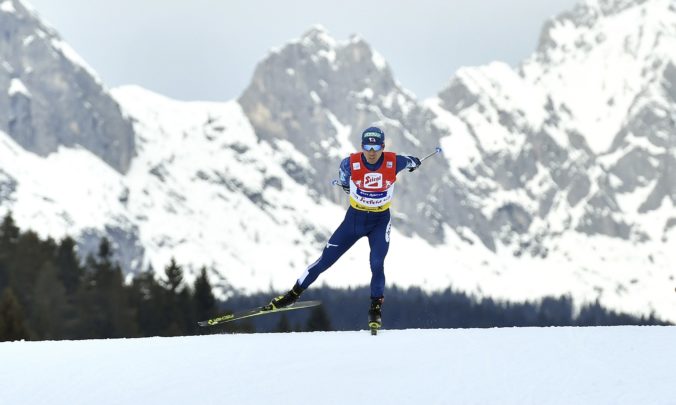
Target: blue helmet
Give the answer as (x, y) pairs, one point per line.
(373, 136)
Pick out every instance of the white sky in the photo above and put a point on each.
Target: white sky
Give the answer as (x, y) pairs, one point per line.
(208, 49)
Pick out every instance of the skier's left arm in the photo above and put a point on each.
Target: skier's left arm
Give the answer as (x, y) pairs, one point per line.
(407, 162)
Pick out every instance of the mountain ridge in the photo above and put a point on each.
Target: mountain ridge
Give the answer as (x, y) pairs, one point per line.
(53, 97)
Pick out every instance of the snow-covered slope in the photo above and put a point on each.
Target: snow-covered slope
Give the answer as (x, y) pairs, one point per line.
(228, 202)
(204, 190)
(50, 97)
(620, 365)
(569, 156)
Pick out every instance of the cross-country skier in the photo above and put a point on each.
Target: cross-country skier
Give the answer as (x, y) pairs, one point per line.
(368, 177)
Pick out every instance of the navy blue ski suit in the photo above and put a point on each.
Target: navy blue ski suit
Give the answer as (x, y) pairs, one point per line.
(357, 224)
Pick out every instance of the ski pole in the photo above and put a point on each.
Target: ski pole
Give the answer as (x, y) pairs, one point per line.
(436, 150)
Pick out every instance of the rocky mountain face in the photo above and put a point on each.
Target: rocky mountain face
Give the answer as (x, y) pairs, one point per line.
(319, 94)
(564, 143)
(49, 98)
(587, 121)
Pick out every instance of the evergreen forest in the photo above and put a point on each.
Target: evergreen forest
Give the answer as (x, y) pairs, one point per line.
(49, 292)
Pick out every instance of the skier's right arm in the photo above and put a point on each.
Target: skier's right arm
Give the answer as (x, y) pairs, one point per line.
(344, 175)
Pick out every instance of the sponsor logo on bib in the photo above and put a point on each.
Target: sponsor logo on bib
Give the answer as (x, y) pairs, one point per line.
(373, 180)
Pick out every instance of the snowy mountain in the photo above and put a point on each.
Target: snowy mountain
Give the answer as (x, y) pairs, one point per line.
(554, 178)
(319, 94)
(51, 97)
(578, 141)
(471, 366)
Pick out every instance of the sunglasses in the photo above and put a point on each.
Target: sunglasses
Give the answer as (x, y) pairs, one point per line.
(372, 147)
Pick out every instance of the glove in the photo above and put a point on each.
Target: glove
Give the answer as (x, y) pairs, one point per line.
(416, 161)
(346, 188)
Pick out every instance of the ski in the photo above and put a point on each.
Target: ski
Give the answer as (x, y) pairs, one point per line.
(266, 309)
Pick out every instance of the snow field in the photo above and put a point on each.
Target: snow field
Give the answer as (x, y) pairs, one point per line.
(602, 365)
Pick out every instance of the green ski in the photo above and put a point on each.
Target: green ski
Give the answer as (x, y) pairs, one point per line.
(255, 312)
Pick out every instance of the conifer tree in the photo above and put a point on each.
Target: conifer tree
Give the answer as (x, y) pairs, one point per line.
(186, 310)
(70, 271)
(12, 325)
(104, 301)
(4, 275)
(9, 233)
(174, 274)
(174, 300)
(148, 299)
(205, 302)
(48, 318)
(28, 256)
(318, 320)
(88, 312)
(283, 325)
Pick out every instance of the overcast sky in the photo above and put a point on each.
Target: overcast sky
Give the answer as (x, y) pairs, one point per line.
(208, 49)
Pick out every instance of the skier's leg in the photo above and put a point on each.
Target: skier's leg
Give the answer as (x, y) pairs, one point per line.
(340, 242)
(379, 241)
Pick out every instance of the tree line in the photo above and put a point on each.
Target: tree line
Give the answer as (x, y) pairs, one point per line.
(48, 292)
(405, 308)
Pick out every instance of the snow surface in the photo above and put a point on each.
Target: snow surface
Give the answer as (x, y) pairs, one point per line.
(601, 365)
(55, 208)
(17, 86)
(7, 6)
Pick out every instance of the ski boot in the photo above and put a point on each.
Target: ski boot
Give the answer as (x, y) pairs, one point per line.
(375, 321)
(285, 300)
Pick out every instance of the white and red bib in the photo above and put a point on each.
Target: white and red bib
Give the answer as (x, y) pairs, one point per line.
(372, 190)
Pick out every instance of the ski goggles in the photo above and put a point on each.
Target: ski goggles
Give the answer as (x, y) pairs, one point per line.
(372, 147)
